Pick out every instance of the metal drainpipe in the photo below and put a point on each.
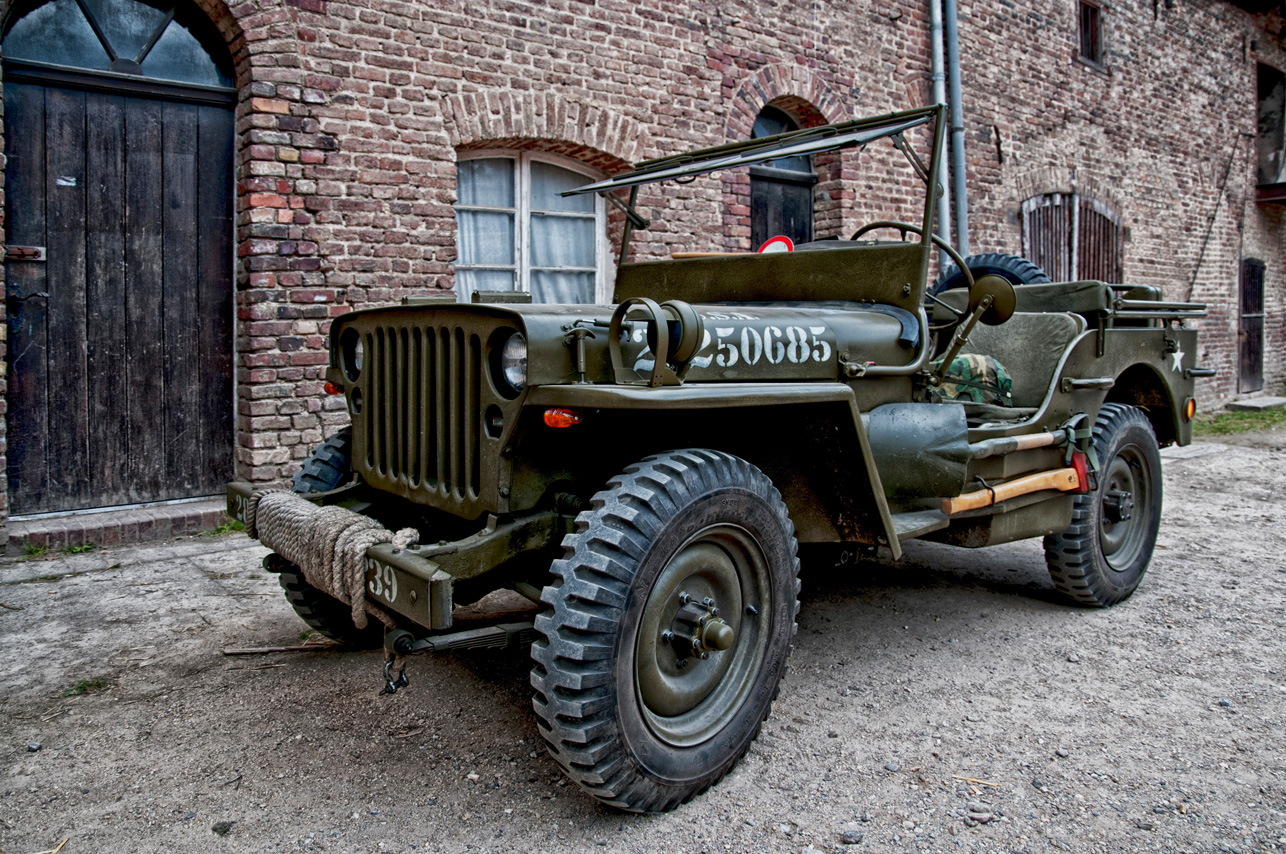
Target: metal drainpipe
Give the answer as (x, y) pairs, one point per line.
(940, 97)
(956, 109)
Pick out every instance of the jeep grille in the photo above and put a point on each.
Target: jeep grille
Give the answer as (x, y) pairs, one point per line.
(419, 426)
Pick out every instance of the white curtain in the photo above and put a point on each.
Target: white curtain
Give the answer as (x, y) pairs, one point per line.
(561, 251)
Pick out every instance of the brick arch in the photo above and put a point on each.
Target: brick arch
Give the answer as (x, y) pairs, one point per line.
(798, 92)
(790, 87)
(1061, 179)
(233, 36)
(544, 121)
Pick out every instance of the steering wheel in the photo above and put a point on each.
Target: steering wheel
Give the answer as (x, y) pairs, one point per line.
(905, 227)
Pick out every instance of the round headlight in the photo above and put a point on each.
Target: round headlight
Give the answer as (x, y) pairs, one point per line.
(351, 352)
(513, 361)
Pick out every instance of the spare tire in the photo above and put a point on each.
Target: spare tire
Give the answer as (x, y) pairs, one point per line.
(1018, 271)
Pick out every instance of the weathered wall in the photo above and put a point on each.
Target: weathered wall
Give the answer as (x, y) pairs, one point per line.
(352, 113)
(1162, 134)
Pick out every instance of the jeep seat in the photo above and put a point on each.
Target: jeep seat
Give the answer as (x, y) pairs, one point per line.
(1030, 346)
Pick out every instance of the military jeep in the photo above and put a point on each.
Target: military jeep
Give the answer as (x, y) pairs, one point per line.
(645, 471)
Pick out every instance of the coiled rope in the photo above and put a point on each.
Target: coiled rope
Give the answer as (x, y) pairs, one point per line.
(328, 543)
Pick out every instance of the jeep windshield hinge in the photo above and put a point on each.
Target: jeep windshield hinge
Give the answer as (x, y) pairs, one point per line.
(633, 219)
(911, 157)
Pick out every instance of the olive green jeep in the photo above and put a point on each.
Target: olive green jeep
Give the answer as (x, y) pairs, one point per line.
(645, 471)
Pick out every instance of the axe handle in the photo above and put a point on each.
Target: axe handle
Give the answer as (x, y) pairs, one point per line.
(1064, 480)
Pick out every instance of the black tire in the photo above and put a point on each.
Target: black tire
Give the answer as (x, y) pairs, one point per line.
(327, 615)
(622, 717)
(328, 467)
(1019, 271)
(1102, 556)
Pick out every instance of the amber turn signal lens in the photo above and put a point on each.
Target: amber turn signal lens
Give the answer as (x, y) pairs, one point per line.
(331, 388)
(562, 417)
(1190, 408)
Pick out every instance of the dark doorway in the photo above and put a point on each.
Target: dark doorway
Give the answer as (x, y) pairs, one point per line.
(1251, 333)
(118, 274)
(781, 191)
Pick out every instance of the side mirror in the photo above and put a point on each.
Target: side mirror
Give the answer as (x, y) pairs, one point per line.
(1003, 299)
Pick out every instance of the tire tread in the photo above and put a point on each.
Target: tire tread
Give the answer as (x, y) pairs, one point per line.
(1070, 555)
(572, 674)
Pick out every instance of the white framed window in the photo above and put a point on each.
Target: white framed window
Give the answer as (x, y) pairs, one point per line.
(515, 232)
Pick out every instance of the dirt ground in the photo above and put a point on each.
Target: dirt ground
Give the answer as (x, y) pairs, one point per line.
(948, 702)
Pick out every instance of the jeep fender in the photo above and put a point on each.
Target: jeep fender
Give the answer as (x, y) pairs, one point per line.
(808, 437)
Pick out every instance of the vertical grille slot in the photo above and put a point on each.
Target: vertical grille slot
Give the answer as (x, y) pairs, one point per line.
(421, 414)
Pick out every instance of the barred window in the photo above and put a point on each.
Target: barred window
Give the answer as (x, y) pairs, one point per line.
(1073, 237)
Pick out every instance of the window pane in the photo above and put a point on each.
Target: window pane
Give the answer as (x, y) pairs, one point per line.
(56, 32)
(489, 182)
(559, 241)
(128, 24)
(468, 281)
(547, 181)
(177, 55)
(485, 237)
(549, 286)
(771, 122)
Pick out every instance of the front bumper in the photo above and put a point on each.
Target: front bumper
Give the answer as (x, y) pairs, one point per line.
(397, 579)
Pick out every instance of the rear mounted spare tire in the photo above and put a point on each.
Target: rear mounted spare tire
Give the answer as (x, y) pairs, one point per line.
(1018, 271)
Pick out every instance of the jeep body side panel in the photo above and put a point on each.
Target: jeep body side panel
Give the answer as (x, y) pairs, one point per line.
(1145, 367)
(809, 437)
(1138, 366)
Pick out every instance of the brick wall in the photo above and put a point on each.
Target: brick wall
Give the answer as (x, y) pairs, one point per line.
(352, 113)
(356, 114)
(1160, 135)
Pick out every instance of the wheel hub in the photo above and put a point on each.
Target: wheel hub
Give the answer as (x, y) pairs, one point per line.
(698, 629)
(1118, 505)
(1124, 502)
(701, 635)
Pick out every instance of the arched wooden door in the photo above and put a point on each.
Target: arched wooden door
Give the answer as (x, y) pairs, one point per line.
(781, 191)
(118, 259)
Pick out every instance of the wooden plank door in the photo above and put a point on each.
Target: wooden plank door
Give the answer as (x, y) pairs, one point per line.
(781, 203)
(1251, 334)
(120, 341)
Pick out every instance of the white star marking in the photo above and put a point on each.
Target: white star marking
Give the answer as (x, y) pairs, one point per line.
(1176, 358)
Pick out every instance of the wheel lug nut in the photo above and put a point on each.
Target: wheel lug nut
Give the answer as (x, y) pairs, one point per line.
(684, 598)
(704, 656)
(682, 662)
(667, 636)
(708, 602)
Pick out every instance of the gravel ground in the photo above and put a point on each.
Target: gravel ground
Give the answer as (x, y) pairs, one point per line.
(948, 702)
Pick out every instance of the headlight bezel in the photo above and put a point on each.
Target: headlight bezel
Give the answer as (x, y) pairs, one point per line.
(509, 362)
(352, 353)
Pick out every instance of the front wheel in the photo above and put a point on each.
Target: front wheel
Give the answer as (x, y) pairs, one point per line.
(668, 625)
(1102, 556)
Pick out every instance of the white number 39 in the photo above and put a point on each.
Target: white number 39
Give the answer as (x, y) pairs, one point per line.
(383, 583)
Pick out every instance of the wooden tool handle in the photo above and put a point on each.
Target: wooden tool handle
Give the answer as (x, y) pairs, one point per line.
(1064, 480)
